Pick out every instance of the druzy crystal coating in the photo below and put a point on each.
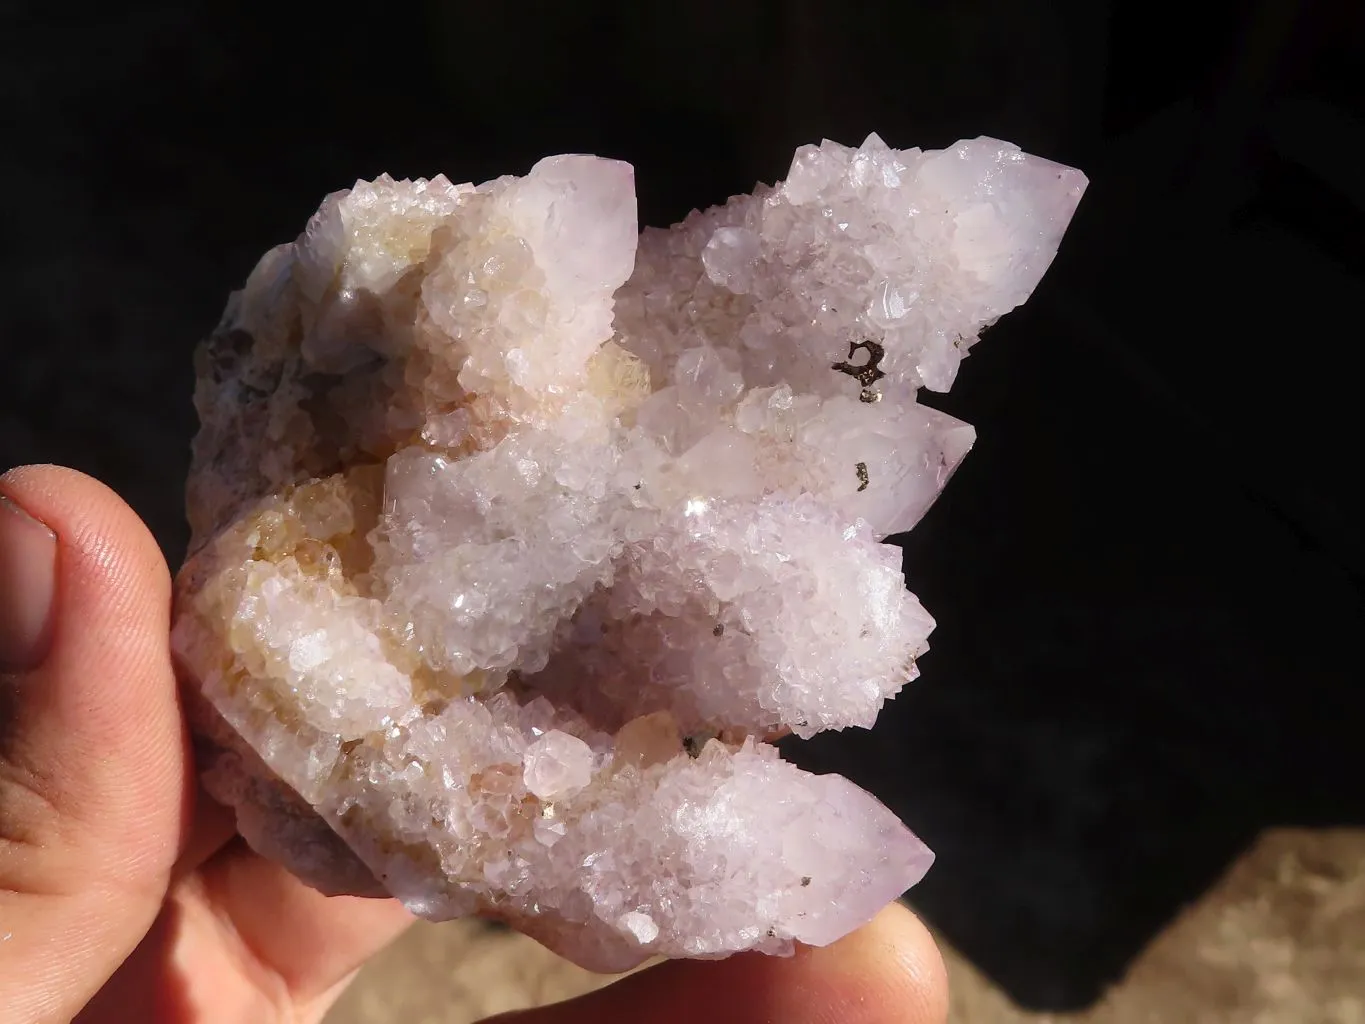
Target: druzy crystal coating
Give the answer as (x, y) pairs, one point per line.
(519, 535)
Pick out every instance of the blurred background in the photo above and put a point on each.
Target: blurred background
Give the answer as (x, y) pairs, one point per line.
(1136, 744)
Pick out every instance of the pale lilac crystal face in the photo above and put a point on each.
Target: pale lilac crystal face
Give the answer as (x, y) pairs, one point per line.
(518, 535)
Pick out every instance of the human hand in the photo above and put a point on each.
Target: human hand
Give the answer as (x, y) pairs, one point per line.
(125, 896)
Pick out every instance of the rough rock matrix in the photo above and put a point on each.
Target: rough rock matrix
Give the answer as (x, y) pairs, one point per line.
(518, 534)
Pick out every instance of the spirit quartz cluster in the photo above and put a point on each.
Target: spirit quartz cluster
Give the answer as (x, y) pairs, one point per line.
(519, 535)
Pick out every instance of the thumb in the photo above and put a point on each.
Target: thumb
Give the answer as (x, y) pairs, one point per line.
(93, 757)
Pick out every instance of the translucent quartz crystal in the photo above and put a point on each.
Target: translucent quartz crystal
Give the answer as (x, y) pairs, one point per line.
(518, 535)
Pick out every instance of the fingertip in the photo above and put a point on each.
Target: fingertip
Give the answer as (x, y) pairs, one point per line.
(96, 725)
(106, 536)
(888, 971)
(901, 960)
(93, 756)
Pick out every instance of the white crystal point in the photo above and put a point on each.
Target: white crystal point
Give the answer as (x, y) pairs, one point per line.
(1008, 212)
(851, 827)
(577, 213)
(557, 765)
(519, 536)
(730, 258)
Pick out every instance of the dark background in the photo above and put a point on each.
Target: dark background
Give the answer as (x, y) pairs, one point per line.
(1148, 574)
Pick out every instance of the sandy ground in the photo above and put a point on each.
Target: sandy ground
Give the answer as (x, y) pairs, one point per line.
(1280, 940)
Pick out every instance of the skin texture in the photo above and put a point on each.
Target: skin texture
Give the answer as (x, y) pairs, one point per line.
(124, 894)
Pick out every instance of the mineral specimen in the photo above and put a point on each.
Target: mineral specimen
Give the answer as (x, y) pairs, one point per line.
(518, 535)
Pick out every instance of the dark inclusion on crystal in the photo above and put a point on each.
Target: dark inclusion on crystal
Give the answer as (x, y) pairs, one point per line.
(867, 373)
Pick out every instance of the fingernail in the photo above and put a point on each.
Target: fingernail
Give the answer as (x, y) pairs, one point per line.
(28, 576)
